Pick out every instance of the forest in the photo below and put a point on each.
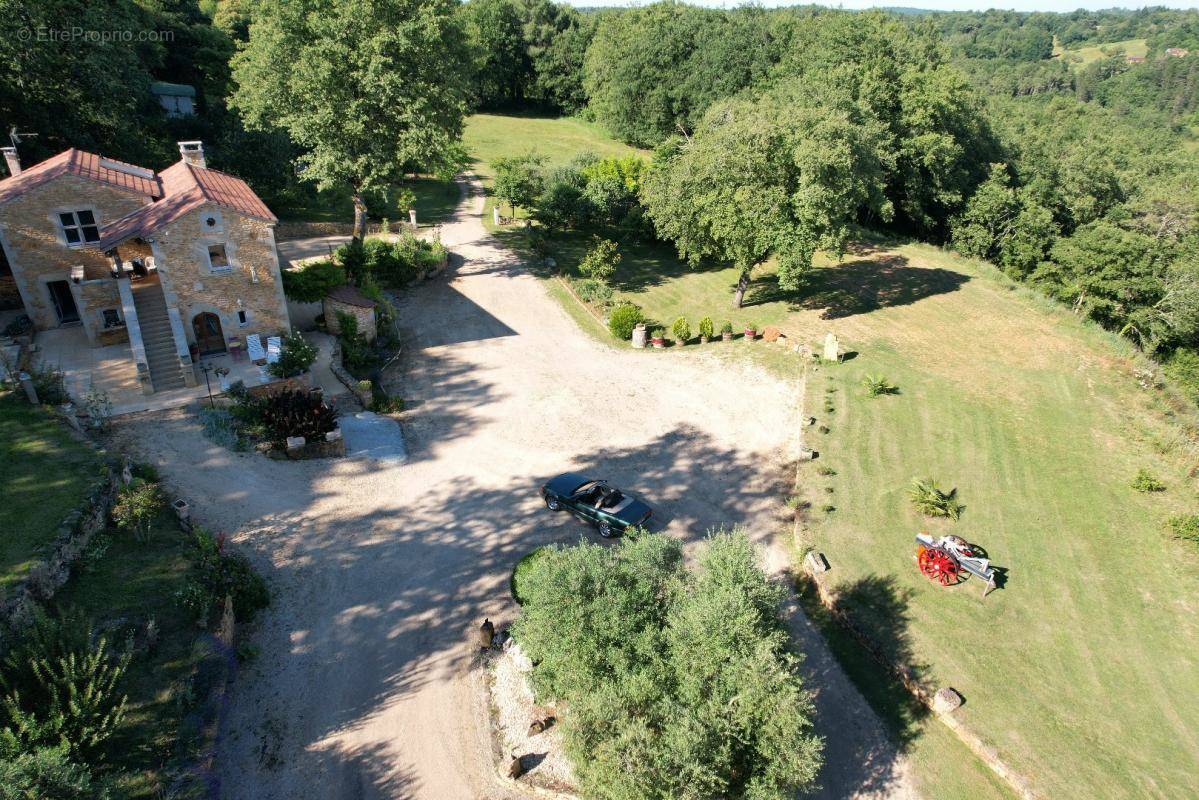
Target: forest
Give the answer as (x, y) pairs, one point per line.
(1039, 141)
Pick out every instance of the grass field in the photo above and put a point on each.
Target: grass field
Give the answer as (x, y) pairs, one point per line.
(435, 201)
(1082, 669)
(129, 584)
(559, 139)
(1085, 55)
(44, 475)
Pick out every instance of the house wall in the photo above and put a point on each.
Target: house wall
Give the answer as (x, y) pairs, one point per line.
(37, 253)
(253, 285)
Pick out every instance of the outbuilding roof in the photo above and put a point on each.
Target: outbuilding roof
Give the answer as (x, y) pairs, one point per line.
(350, 296)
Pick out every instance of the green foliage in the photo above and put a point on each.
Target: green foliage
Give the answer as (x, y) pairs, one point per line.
(1145, 481)
(877, 385)
(681, 330)
(137, 506)
(304, 69)
(221, 426)
(1009, 227)
(726, 327)
(295, 358)
(591, 290)
(215, 574)
(623, 318)
(296, 413)
(931, 501)
(310, 283)
(392, 264)
(520, 574)
(601, 260)
(60, 689)
(679, 681)
(519, 180)
(501, 66)
(1185, 527)
(706, 327)
(356, 352)
(49, 382)
(46, 773)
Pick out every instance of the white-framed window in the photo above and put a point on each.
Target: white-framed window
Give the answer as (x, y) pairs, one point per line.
(79, 227)
(218, 259)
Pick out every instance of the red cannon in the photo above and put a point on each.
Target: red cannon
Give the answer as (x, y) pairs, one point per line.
(944, 560)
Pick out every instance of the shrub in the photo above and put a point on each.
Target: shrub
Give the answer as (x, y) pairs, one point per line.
(931, 501)
(98, 407)
(681, 330)
(50, 384)
(147, 472)
(352, 257)
(1145, 481)
(21, 325)
(708, 646)
(824, 470)
(706, 327)
(657, 333)
(751, 326)
(219, 426)
(297, 413)
(828, 508)
(877, 385)
(216, 573)
(1185, 527)
(295, 358)
(310, 283)
(356, 352)
(726, 327)
(136, 507)
(594, 291)
(623, 318)
(47, 773)
(601, 260)
(60, 689)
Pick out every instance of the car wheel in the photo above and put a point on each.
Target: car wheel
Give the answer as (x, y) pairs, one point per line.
(605, 530)
(552, 503)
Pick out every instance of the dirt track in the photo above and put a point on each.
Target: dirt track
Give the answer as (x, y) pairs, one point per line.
(363, 688)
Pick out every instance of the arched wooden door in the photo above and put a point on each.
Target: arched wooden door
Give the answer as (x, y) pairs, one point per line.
(210, 339)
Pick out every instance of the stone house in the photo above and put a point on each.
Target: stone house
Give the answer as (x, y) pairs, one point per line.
(179, 263)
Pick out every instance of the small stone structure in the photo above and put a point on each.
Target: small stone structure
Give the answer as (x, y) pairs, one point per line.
(946, 701)
(772, 334)
(349, 300)
(832, 348)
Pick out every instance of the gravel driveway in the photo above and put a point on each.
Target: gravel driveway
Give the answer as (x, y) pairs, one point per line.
(364, 687)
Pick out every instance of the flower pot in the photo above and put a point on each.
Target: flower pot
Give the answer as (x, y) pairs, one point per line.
(750, 334)
(703, 339)
(727, 336)
(659, 341)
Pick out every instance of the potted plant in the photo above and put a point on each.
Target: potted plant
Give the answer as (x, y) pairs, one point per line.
(751, 331)
(681, 329)
(658, 337)
(726, 331)
(705, 330)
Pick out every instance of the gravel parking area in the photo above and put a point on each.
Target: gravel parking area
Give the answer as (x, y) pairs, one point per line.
(382, 571)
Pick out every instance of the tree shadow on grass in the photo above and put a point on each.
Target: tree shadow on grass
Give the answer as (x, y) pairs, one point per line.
(858, 287)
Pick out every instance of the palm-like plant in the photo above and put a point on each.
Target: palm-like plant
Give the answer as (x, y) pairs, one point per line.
(878, 385)
(932, 501)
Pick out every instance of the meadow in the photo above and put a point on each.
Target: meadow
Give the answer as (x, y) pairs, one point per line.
(1081, 669)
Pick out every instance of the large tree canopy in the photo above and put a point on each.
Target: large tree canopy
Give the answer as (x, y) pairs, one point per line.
(369, 89)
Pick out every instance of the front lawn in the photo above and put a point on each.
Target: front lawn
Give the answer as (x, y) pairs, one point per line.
(44, 475)
(435, 203)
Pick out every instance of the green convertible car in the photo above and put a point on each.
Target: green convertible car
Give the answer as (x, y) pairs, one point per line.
(609, 509)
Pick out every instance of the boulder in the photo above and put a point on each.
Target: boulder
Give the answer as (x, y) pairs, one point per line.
(946, 701)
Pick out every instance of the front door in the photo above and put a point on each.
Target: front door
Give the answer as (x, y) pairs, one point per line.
(210, 338)
(64, 302)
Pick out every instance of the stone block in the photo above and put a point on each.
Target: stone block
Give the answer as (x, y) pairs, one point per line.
(295, 442)
(771, 334)
(946, 701)
(815, 563)
(333, 435)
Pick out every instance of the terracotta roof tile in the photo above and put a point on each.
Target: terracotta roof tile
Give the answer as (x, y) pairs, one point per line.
(85, 165)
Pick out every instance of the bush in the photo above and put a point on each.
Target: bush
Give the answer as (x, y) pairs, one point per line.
(1145, 481)
(623, 318)
(877, 385)
(295, 358)
(706, 327)
(220, 426)
(297, 413)
(356, 353)
(933, 502)
(60, 689)
(136, 507)
(310, 283)
(50, 384)
(21, 325)
(47, 773)
(215, 574)
(594, 291)
(726, 327)
(694, 656)
(681, 330)
(1185, 527)
(601, 260)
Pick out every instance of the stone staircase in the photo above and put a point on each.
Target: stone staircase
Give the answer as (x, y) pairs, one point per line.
(156, 336)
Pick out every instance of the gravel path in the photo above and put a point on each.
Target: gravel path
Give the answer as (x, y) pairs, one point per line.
(365, 686)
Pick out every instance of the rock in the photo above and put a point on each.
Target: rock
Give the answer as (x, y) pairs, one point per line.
(536, 727)
(333, 435)
(516, 768)
(807, 455)
(771, 334)
(295, 442)
(522, 662)
(832, 348)
(486, 634)
(946, 701)
(814, 563)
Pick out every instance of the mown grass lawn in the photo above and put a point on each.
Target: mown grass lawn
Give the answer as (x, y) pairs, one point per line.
(1082, 56)
(1082, 670)
(44, 475)
(131, 583)
(435, 202)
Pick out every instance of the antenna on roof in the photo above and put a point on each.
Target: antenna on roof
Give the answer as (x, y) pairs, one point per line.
(16, 137)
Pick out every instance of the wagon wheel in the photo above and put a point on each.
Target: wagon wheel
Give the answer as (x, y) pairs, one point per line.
(938, 565)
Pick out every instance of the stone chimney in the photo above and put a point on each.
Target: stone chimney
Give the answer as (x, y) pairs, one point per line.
(193, 153)
(13, 160)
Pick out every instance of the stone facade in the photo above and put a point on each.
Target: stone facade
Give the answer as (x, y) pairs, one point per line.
(38, 254)
(252, 285)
